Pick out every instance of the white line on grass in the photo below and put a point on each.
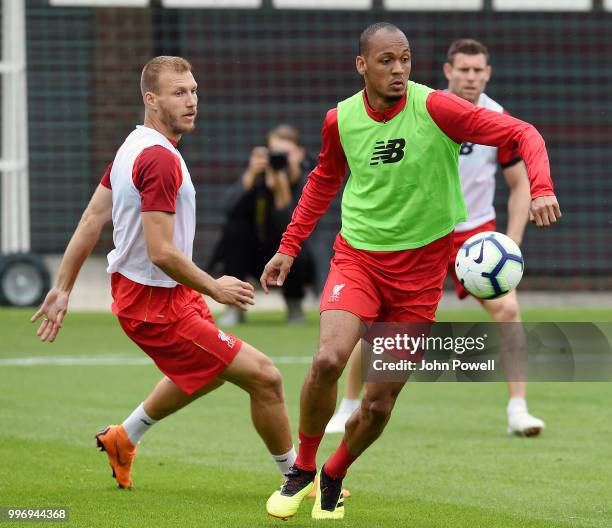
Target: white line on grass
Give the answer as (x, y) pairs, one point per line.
(114, 360)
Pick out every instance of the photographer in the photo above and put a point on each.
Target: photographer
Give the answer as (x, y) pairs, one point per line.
(258, 208)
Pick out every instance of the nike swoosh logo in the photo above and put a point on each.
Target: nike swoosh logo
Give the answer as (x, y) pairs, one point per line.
(145, 422)
(118, 451)
(481, 256)
(283, 460)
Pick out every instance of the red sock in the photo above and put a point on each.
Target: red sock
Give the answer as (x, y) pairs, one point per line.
(337, 466)
(307, 455)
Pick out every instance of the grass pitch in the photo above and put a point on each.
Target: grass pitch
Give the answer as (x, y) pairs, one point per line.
(444, 461)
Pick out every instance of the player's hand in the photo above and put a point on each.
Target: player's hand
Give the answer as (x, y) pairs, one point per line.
(544, 211)
(234, 292)
(276, 271)
(53, 309)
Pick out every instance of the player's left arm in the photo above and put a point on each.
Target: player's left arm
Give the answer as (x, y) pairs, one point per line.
(82, 243)
(519, 200)
(462, 121)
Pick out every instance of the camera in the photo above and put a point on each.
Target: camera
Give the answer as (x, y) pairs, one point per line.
(278, 160)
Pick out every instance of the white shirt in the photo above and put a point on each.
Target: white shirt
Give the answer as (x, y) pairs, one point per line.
(130, 257)
(477, 169)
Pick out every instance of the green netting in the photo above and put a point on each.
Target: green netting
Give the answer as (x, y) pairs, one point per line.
(257, 68)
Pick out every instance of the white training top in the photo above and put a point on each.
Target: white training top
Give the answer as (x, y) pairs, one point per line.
(130, 257)
(477, 169)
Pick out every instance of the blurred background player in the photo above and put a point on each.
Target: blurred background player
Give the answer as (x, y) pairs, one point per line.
(468, 71)
(392, 254)
(258, 209)
(156, 287)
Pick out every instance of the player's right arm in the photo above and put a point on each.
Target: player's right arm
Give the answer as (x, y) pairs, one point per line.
(322, 185)
(157, 176)
(158, 229)
(84, 239)
(462, 121)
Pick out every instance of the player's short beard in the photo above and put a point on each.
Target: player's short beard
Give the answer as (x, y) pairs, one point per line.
(394, 98)
(172, 123)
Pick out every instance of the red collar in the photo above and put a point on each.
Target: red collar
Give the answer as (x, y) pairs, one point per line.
(174, 143)
(388, 113)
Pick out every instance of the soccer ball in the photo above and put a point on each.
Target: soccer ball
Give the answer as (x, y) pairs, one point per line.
(489, 265)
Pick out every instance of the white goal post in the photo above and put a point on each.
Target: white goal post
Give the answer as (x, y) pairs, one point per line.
(15, 235)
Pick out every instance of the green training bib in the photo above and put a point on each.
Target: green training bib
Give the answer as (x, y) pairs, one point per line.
(404, 189)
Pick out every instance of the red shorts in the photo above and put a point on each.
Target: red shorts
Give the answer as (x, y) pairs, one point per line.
(460, 238)
(387, 286)
(191, 351)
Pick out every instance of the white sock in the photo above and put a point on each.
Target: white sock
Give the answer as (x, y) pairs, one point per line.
(517, 405)
(284, 462)
(348, 406)
(137, 424)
